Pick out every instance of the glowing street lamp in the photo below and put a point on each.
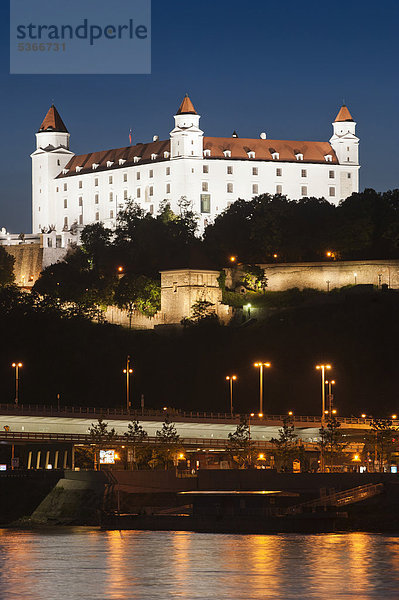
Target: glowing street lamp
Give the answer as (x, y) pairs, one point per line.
(16, 366)
(330, 396)
(261, 366)
(233, 259)
(323, 369)
(128, 371)
(230, 379)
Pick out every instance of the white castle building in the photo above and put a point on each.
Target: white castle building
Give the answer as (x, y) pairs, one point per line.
(206, 174)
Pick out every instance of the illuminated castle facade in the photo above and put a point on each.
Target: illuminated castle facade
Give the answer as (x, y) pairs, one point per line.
(188, 170)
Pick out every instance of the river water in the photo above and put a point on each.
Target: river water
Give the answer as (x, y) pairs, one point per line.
(83, 563)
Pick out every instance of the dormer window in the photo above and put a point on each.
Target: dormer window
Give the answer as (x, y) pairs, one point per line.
(275, 155)
(154, 156)
(95, 166)
(207, 153)
(65, 171)
(78, 169)
(121, 161)
(109, 163)
(251, 154)
(227, 153)
(166, 154)
(328, 157)
(136, 159)
(299, 155)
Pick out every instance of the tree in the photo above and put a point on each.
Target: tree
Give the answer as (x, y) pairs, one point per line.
(138, 292)
(168, 443)
(6, 267)
(202, 313)
(136, 437)
(286, 445)
(101, 437)
(332, 441)
(383, 440)
(253, 278)
(241, 448)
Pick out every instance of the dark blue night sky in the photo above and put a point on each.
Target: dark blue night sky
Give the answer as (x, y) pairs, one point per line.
(283, 67)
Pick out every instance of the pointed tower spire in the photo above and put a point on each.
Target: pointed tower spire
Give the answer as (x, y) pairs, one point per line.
(53, 122)
(343, 115)
(186, 107)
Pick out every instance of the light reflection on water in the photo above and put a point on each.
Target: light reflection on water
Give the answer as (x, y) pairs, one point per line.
(88, 564)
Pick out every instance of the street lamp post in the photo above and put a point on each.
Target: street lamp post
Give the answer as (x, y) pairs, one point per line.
(323, 369)
(330, 396)
(261, 366)
(128, 371)
(230, 379)
(16, 366)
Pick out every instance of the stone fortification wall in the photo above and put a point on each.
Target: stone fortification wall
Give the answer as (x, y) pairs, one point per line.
(324, 275)
(135, 321)
(31, 259)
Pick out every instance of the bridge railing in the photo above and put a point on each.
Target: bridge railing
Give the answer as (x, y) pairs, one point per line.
(172, 413)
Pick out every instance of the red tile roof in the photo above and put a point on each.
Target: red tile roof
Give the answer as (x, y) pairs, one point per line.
(53, 122)
(343, 115)
(287, 150)
(186, 107)
(313, 152)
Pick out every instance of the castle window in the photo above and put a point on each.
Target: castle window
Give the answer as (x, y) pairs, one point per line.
(96, 182)
(331, 174)
(275, 155)
(331, 191)
(78, 169)
(110, 179)
(205, 168)
(154, 156)
(204, 186)
(136, 159)
(80, 184)
(151, 209)
(205, 203)
(192, 152)
(94, 166)
(304, 173)
(348, 159)
(125, 194)
(347, 148)
(166, 154)
(57, 189)
(304, 190)
(207, 153)
(65, 171)
(121, 161)
(58, 162)
(251, 154)
(229, 170)
(65, 187)
(168, 188)
(255, 188)
(138, 193)
(227, 153)
(151, 173)
(80, 219)
(125, 177)
(65, 221)
(111, 214)
(138, 175)
(96, 199)
(111, 196)
(349, 175)
(299, 156)
(255, 171)
(229, 188)
(109, 163)
(151, 192)
(328, 158)
(167, 171)
(279, 172)
(97, 216)
(80, 201)
(65, 203)
(279, 189)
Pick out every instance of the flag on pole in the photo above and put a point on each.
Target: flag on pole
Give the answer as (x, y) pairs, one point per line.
(130, 136)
